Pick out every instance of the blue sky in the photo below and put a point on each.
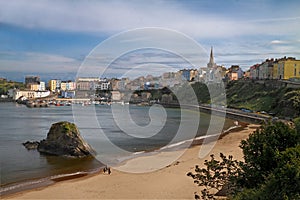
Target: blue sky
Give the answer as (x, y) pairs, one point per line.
(52, 38)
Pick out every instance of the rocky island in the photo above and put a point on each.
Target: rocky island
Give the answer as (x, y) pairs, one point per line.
(63, 139)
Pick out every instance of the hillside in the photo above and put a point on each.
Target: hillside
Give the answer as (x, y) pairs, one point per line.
(271, 96)
(6, 85)
(280, 100)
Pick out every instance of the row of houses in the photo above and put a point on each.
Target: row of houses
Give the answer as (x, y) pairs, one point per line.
(59, 85)
(283, 68)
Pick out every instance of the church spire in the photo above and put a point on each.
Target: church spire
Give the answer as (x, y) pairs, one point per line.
(211, 63)
(211, 59)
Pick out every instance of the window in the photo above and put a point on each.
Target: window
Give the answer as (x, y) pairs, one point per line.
(295, 72)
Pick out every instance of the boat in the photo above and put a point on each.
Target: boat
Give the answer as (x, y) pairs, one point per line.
(36, 104)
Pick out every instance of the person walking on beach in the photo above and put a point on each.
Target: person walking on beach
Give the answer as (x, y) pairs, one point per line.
(107, 169)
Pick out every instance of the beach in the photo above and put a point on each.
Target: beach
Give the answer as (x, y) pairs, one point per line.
(169, 182)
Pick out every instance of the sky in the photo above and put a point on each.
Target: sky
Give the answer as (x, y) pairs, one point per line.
(59, 38)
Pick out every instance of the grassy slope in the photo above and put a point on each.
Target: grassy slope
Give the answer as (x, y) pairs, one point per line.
(258, 97)
(6, 85)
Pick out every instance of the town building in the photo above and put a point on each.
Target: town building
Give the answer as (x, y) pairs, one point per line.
(28, 94)
(286, 68)
(31, 80)
(70, 85)
(122, 84)
(168, 75)
(33, 86)
(185, 74)
(266, 69)
(104, 85)
(68, 94)
(189, 74)
(63, 86)
(221, 70)
(52, 85)
(85, 83)
(114, 83)
(37, 86)
(116, 96)
(202, 74)
(247, 74)
(235, 72)
(58, 83)
(254, 72)
(42, 86)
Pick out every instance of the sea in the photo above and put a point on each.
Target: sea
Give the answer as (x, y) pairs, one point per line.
(116, 134)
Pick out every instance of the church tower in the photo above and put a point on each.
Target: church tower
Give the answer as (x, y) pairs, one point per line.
(211, 63)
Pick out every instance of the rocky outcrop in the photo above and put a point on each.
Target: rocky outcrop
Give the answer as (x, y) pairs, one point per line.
(63, 139)
(31, 145)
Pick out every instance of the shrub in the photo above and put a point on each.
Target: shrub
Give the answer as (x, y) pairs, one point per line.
(271, 169)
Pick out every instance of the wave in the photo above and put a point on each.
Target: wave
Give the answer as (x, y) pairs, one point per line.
(42, 182)
(181, 143)
(174, 145)
(139, 152)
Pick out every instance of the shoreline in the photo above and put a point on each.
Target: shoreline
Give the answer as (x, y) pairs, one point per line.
(78, 179)
(37, 183)
(46, 179)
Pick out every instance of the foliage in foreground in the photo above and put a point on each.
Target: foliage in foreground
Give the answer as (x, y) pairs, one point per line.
(271, 169)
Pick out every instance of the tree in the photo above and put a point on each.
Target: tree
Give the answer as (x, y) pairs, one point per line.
(217, 175)
(297, 124)
(271, 169)
(260, 151)
(282, 183)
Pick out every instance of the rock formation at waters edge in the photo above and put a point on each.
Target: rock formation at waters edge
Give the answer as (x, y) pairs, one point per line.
(63, 139)
(31, 145)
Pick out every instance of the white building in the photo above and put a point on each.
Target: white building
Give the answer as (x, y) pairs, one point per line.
(104, 85)
(85, 83)
(70, 85)
(29, 94)
(115, 96)
(42, 86)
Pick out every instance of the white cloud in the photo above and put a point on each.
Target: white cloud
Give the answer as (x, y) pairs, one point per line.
(114, 16)
(273, 36)
(30, 62)
(277, 42)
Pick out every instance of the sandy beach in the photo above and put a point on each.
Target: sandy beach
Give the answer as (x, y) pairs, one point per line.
(169, 182)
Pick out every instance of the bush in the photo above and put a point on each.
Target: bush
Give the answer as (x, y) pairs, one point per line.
(261, 149)
(282, 183)
(271, 169)
(217, 175)
(297, 124)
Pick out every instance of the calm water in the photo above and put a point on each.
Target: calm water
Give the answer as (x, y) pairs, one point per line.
(19, 124)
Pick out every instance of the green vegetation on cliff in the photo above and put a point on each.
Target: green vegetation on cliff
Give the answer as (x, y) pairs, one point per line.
(264, 96)
(270, 96)
(267, 96)
(6, 85)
